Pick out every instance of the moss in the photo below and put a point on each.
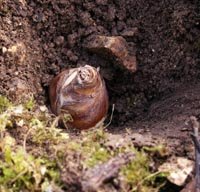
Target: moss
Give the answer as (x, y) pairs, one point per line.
(5, 122)
(90, 146)
(95, 154)
(30, 104)
(139, 176)
(4, 103)
(22, 171)
(159, 150)
(137, 170)
(42, 133)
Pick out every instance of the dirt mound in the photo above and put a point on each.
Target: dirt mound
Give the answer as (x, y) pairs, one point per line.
(39, 38)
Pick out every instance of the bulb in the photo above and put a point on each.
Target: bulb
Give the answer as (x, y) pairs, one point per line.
(80, 92)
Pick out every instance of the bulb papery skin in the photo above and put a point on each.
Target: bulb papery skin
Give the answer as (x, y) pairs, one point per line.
(80, 92)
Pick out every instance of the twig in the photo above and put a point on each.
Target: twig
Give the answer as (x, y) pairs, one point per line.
(195, 138)
(25, 139)
(18, 176)
(93, 178)
(111, 117)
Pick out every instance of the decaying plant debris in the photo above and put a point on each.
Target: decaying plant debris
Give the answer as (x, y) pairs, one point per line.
(93, 178)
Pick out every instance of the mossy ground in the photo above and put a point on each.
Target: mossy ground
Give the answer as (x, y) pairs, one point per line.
(37, 155)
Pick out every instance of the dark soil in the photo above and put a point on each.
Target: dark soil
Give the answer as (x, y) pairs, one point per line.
(40, 38)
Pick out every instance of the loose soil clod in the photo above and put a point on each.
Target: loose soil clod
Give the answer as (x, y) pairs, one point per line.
(114, 48)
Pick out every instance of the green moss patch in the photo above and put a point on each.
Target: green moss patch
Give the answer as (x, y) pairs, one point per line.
(37, 155)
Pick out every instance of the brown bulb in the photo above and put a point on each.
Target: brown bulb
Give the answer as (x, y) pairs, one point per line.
(82, 93)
